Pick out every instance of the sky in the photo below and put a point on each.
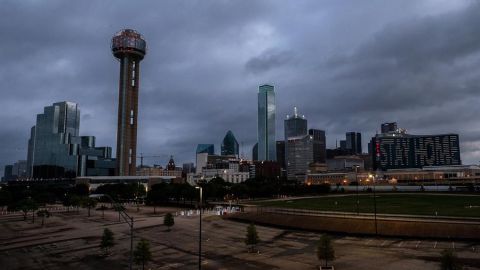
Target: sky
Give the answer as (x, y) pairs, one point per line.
(346, 65)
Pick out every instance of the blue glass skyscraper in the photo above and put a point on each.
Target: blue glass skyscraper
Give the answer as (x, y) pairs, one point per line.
(229, 145)
(266, 123)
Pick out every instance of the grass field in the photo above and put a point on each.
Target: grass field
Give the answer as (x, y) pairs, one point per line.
(408, 204)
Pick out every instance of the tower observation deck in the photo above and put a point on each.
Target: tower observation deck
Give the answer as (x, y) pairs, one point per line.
(129, 47)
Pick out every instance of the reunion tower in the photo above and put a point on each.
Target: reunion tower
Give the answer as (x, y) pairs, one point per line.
(129, 47)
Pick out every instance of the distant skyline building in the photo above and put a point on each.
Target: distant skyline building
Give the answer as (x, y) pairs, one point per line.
(281, 154)
(266, 123)
(205, 148)
(255, 152)
(319, 145)
(55, 149)
(353, 142)
(230, 145)
(389, 127)
(397, 150)
(299, 156)
(295, 125)
(129, 47)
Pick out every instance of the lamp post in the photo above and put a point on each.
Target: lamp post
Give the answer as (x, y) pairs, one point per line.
(356, 181)
(374, 203)
(200, 231)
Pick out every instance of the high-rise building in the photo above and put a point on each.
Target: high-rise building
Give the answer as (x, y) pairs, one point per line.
(295, 125)
(8, 173)
(319, 145)
(206, 148)
(299, 156)
(229, 145)
(188, 168)
(281, 154)
(266, 123)
(129, 47)
(56, 150)
(400, 150)
(171, 164)
(389, 127)
(255, 152)
(354, 142)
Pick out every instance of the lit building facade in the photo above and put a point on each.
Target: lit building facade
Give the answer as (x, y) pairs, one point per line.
(266, 123)
(400, 150)
(299, 151)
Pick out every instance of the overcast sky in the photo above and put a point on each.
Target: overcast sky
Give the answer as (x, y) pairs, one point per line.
(347, 65)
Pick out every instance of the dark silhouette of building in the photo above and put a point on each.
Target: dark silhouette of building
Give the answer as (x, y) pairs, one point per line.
(354, 142)
(229, 145)
(281, 153)
(389, 127)
(319, 145)
(171, 164)
(255, 152)
(206, 148)
(295, 125)
(8, 173)
(129, 48)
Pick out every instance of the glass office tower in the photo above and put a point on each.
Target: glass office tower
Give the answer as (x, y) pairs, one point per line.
(229, 145)
(295, 125)
(51, 153)
(206, 148)
(266, 123)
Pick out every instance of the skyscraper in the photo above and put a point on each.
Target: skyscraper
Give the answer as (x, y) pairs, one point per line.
(56, 150)
(281, 154)
(295, 125)
(206, 148)
(229, 145)
(354, 142)
(319, 145)
(51, 153)
(129, 48)
(266, 123)
(299, 155)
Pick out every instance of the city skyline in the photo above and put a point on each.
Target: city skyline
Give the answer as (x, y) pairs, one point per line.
(317, 77)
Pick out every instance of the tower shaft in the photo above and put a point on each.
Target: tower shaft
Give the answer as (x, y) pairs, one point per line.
(127, 115)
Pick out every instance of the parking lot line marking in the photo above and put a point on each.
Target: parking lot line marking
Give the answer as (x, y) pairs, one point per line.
(400, 244)
(435, 246)
(418, 243)
(368, 242)
(453, 245)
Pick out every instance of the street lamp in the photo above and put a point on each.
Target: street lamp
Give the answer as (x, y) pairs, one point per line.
(374, 202)
(200, 231)
(356, 181)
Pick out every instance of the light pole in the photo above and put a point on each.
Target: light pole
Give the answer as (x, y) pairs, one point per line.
(200, 231)
(356, 181)
(374, 203)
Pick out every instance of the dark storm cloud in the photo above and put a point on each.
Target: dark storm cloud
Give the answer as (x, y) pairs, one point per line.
(347, 65)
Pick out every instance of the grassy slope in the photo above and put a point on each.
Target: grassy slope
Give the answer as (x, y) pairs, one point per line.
(421, 204)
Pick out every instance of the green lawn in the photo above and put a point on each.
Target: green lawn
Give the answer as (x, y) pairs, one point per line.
(421, 204)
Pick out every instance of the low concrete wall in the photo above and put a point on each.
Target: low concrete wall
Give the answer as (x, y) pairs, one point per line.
(400, 228)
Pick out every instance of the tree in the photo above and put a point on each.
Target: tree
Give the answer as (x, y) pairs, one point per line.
(107, 241)
(168, 220)
(449, 260)
(142, 253)
(251, 239)
(5, 198)
(88, 203)
(325, 249)
(43, 214)
(27, 205)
